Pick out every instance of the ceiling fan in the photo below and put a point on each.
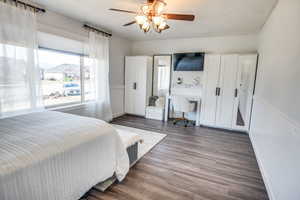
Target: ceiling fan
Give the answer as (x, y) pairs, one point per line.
(152, 13)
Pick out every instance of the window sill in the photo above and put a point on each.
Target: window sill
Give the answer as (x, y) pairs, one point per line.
(68, 107)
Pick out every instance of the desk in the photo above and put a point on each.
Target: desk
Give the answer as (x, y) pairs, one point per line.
(191, 98)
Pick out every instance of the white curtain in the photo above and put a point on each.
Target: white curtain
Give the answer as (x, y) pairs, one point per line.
(20, 90)
(98, 51)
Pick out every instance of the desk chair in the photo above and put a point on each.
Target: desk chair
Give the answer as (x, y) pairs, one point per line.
(182, 104)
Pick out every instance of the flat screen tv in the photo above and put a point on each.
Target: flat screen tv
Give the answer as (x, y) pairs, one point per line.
(188, 61)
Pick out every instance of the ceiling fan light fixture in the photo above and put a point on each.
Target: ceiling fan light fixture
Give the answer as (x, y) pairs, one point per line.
(162, 25)
(146, 30)
(152, 16)
(146, 26)
(146, 9)
(158, 30)
(159, 7)
(140, 19)
(157, 20)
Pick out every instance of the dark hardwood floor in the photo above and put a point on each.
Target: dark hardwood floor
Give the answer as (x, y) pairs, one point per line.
(190, 163)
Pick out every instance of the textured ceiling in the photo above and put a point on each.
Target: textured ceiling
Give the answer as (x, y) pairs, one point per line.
(213, 17)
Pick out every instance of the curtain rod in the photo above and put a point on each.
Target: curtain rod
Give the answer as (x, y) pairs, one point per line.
(97, 30)
(37, 9)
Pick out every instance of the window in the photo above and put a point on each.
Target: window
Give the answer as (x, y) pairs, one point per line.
(89, 80)
(64, 78)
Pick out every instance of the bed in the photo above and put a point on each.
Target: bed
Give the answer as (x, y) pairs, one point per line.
(57, 156)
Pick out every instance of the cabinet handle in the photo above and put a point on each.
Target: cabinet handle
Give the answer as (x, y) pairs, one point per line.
(218, 91)
(235, 92)
(134, 85)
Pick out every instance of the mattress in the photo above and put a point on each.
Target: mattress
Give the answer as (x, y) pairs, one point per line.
(57, 156)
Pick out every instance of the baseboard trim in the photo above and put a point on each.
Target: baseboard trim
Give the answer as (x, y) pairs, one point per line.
(115, 115)
(270, 123)
(262, 169)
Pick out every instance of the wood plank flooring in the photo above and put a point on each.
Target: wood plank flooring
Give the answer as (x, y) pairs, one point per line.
(190, 163)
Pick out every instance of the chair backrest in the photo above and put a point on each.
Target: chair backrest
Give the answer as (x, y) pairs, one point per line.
(182, 104)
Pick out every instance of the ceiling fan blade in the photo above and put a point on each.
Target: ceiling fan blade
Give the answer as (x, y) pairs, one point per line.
(130, 23)
(179, 17)
(119, 10)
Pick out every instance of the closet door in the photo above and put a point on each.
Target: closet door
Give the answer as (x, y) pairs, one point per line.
(130, 85)
(209, 98)
(244, 91)
(141, 86)
(226, 98)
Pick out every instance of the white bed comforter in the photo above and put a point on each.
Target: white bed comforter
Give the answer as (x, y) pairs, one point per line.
(57, 156)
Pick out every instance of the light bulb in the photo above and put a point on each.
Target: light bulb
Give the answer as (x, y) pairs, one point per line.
(157, 20)
(140, 19)
(162, 25)
(146, 26)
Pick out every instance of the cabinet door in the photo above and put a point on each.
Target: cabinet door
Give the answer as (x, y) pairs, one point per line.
(227, 83)
(130, 81)
(209, 98)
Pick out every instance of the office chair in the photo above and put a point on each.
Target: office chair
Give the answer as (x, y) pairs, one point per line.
(182, 104)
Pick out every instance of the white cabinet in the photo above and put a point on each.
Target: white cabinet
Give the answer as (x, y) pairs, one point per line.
(138, 84)
(211, 84)
(228, 88)
(227, 85)
(153, 112)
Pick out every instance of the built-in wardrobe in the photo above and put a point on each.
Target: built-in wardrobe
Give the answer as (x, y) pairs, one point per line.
(138, 84)
(228, 90)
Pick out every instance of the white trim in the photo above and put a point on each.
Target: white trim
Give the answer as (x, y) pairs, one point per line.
(257, 154)
(279, 126)
(262, 169)
(70, 107)
(115, 115)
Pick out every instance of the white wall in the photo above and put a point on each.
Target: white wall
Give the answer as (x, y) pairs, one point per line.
(119, 48)
(227, 44)
(57, 24)
(275, 129)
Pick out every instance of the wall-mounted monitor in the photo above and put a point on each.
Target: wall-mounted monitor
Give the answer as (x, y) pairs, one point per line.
(188, 61)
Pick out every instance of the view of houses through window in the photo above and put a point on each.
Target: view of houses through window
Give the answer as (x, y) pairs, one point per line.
(66, 79)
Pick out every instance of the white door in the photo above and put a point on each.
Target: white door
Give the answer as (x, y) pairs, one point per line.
(141, 86)
(244, 95)
(130, 81)
(227, 84)
(209, 99)
(135, 85)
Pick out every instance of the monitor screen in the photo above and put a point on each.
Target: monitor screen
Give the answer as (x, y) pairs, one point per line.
(188, 61)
